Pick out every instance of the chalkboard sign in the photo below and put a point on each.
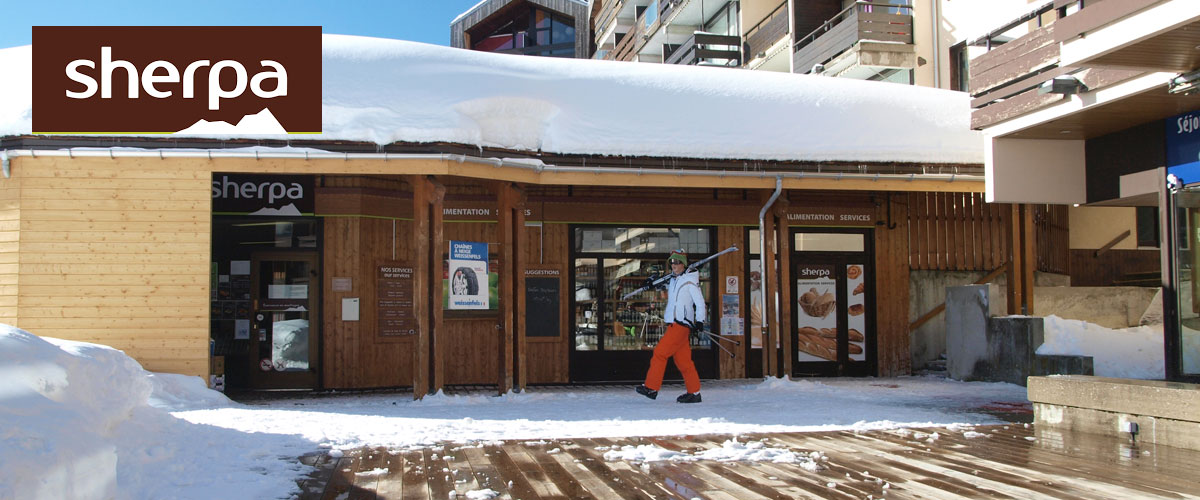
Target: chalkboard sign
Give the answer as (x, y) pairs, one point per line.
(541, 307)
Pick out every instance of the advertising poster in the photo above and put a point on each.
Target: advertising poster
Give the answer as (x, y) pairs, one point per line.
(468, 271)
(856, 318)
(816, 325)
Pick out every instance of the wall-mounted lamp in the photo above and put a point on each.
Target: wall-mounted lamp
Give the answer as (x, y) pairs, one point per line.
(1065, 85)
(1185, 83)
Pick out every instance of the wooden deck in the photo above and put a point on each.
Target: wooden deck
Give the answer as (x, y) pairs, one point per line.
(1010, 461)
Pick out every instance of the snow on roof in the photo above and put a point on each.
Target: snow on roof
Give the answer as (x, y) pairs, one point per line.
(385, 91)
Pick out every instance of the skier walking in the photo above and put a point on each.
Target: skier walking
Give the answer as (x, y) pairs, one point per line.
(684, 313)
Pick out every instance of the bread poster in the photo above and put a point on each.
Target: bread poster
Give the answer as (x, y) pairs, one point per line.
(816, 301)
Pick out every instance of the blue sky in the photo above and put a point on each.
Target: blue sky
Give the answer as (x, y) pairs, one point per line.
(418, 20)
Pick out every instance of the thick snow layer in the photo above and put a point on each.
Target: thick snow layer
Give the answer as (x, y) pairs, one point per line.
(385, 91)
(1122, 353)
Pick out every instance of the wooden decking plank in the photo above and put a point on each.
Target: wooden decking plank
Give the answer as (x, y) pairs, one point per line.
(971, 472)
(538, 478)
(798, 477)
(414, 482)
(592, 479)
(751, 477)
(482, 461)
(916, 464)
(341, 484)
(750, 488)
(437, 474)
(370, 460)
(635, 474)
(1054, 466)
(516, 481)
(313, 486)
(461, 472)
(391, 485)
(625, 485)
(555, 473)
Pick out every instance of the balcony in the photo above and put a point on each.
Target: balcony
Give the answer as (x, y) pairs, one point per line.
(707, 49)
(848, 40)
(764, 36)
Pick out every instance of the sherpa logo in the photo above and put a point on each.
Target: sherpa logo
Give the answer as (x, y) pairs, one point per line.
(203, 80)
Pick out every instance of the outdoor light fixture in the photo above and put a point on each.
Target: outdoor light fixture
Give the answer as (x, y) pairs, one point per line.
(1065, 85)
(1185, 83)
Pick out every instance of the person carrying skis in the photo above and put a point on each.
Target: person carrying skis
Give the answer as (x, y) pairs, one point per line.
(685, 312)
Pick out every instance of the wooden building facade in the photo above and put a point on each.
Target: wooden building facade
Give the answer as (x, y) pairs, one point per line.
(346, 288)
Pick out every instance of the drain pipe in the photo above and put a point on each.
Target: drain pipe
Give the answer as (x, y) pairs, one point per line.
(4, 163)
(762, 246)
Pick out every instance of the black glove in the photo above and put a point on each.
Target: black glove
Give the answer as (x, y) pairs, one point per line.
(697, 327)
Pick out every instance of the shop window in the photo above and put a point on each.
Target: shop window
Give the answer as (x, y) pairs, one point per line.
(1147, 226)
(829, 242)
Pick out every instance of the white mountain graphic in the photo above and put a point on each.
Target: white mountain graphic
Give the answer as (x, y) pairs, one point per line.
(289, 209)
(262, 122)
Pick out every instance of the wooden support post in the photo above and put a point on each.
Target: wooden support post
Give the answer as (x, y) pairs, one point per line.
(504, 379)
(436, 249)
(519, 254)
(1015, 262)
(1028, 259)
(421, 285)
(783, 237)
(770, 284)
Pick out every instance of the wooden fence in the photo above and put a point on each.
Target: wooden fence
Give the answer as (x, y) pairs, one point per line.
(961, 232)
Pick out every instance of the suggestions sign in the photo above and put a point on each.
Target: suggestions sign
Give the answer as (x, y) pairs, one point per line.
(468, 271)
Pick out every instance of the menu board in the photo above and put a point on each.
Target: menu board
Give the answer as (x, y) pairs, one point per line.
(394, 293)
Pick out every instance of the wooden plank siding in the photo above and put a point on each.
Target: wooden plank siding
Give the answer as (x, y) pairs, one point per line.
(892, 255)
(130, 237)
(961, 232)
(546, 248)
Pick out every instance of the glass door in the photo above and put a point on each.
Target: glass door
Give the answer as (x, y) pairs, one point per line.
(284, 327)
(833, 307)
(1185, 349)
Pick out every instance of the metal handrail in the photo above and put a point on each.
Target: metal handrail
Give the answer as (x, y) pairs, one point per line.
(837, 19)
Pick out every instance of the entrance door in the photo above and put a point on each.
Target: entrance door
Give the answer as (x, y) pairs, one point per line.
(284, 325)
(833, 309)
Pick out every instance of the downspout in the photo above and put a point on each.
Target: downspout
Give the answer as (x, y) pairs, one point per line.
(937, 51)
(762, 245)
(4, 164)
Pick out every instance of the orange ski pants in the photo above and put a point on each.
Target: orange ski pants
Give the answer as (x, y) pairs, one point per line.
(674, 344)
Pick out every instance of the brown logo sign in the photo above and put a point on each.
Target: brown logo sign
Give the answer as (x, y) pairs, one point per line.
(226, 80)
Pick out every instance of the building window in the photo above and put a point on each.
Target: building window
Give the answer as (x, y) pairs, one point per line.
(1147, 226)
(959, 74)
(531, 31)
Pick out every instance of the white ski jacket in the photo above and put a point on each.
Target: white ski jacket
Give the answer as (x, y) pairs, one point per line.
(685, 303)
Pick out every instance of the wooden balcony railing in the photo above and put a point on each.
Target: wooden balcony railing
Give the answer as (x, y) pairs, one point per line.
(608, 15)
(702, 46)
(861, 21)
(769, 30)
(1093, 15)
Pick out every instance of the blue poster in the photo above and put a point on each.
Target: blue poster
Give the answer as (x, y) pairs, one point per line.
(468, 273)
(1183, 147)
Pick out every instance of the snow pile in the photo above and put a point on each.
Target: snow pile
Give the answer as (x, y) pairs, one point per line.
(384, 91)
(1135, 352)
(76, 421)
(730, 451)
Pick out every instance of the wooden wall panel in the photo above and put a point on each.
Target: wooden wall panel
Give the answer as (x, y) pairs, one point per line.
(132, 239)
(1115, 267)
(891, 291)
(545, 248)
(961, 232)
(732, 264)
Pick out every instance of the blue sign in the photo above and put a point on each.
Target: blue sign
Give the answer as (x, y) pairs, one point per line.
(468, 272)
(1183, 147)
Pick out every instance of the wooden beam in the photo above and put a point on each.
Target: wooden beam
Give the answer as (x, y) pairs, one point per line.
(1015, 260)
(435, 249)
(783, 244)
(421, 284)
(504, 198)
(770, 284)
(519, 253)
(1028, 258)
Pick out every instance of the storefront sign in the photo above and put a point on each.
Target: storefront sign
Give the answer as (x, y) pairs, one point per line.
(213, 80)
(468, 271)
(831, 216)
(1183, 147)
(394, 292)
(458, 210)
(263, 195)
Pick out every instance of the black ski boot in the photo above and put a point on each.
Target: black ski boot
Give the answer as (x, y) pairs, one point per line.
(646, 391)
(688, 397)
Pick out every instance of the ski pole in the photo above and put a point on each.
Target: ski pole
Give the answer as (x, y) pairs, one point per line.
(718, 344)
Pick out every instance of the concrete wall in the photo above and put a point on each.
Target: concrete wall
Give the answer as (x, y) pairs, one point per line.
(1109, 306)
(927, 289)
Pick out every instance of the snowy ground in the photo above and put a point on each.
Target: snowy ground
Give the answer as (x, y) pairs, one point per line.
(82, 420)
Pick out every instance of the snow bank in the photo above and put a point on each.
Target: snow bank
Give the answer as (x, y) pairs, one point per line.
(78, 421)
(384, 91)
(1135, 352)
